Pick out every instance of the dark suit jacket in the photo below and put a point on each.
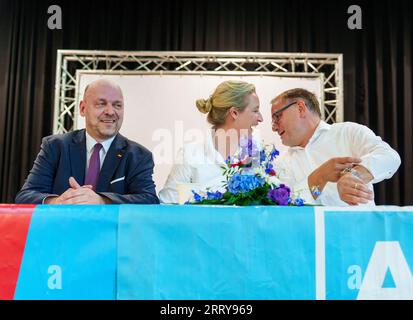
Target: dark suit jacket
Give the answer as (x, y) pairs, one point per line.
(64, 156)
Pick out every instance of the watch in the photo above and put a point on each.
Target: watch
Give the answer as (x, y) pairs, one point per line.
(350, 170)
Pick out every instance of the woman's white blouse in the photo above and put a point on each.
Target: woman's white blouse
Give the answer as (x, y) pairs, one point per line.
(198, 163)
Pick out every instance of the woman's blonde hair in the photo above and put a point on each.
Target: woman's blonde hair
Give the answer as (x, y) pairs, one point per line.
(228, 94)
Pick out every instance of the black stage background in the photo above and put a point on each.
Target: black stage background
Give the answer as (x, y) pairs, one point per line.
(377, 60)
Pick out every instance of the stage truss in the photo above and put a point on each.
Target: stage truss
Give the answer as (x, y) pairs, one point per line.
(70, 62)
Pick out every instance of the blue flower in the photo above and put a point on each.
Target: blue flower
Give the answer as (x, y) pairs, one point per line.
(274, 153)
(214, 195)
(248, 148)
(268, 168)
(263, 156)
(299, 202)
(197, 197)
(240, 183)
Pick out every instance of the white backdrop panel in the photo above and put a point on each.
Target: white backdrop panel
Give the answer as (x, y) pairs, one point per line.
(160, 111)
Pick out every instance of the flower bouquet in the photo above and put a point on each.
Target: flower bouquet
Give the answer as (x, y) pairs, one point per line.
(250, 179)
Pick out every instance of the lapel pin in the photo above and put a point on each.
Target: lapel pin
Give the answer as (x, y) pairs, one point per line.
(119, 155)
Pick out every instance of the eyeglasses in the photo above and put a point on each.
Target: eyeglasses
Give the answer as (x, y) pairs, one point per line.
(276, 116)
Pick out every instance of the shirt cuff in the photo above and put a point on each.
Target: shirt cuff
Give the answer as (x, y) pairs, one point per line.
(48, 196)
(375, 167)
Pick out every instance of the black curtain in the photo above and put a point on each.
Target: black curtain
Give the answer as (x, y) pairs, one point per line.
(377, 60)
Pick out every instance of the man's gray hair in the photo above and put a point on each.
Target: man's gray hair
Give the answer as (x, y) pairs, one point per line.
(299, 93)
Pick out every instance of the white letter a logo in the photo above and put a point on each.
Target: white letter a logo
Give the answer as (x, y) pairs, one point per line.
(387, 257)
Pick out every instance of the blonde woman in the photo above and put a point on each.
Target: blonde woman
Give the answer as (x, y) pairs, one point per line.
(232, 110)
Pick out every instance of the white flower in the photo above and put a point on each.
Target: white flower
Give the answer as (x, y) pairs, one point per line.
(260, 171)
(273, 181)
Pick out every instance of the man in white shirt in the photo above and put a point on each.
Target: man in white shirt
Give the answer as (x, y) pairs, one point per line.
(333, 165)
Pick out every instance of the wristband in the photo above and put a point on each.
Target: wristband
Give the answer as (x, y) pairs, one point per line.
(315, 191)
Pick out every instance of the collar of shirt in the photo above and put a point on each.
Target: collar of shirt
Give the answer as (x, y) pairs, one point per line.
(322, 127)
(90, 143)
(210, 150)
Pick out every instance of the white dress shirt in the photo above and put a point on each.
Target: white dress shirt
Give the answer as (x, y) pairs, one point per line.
(90, 143)
(197, 163)
(346, 139)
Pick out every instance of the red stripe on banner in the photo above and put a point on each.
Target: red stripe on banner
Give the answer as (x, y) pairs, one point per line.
(14, 227)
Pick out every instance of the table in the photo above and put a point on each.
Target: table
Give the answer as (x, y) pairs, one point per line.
(205, 252)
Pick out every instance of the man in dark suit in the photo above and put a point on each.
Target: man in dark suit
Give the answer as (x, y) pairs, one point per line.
(96, 165)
